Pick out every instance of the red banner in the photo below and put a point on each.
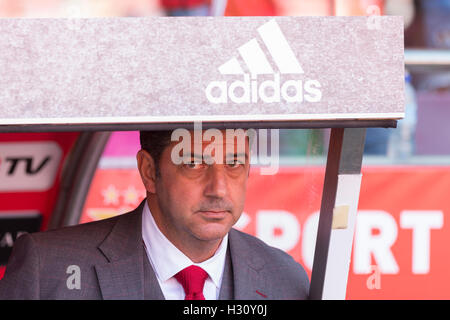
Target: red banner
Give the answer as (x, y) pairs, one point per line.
(30, 174)
(400, 247)
(30, 170)
(401, 228)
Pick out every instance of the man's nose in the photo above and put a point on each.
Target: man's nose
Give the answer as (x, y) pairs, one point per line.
(217, 182)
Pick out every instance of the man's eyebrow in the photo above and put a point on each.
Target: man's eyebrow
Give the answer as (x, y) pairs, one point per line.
(237, 155)
(228, 156)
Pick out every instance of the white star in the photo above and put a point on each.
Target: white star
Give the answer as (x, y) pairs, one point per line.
(110, 195)
(131, 195)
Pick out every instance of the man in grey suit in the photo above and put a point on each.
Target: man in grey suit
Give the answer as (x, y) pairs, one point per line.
(178, 244)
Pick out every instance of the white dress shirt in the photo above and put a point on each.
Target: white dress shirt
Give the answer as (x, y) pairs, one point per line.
(167, 261)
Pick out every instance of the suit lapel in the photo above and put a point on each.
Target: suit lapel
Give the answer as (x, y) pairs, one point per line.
(152, 289)
(249, 282)
(122, 276)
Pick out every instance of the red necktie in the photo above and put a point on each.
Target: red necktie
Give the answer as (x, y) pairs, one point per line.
(192, 279)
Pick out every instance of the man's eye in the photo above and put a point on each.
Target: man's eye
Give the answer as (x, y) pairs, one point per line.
(194, 165)
(235, 163)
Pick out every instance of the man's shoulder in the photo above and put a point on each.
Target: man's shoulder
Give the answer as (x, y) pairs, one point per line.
(81, 235)
(280, 268)
(270, 255)
(259, 246)
(39, 264)
(86, 232)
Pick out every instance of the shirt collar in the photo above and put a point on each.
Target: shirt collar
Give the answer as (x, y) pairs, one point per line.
(168, 260)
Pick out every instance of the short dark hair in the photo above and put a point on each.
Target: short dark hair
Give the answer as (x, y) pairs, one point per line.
(154, 142)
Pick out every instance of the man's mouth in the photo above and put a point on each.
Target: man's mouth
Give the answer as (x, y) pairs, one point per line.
(214, 214)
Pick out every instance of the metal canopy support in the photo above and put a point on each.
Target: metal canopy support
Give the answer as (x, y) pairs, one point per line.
(337, 214)
(218, 8)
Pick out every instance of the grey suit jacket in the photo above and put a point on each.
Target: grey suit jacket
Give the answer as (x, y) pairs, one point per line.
(109, 258)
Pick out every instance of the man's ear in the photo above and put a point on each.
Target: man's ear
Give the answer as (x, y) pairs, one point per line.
(147, 170)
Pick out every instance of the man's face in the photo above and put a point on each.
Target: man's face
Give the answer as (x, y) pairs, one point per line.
(198, 199)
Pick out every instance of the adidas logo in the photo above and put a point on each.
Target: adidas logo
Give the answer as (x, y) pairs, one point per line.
(248, 90)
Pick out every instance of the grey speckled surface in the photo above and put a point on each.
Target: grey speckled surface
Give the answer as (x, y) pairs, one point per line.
(160, 67)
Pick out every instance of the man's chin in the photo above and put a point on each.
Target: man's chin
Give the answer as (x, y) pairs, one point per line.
(212, 232)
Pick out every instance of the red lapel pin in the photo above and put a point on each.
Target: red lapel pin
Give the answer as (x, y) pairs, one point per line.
(261, 294)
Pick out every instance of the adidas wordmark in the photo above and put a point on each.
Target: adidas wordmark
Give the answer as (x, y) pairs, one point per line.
(248, 90)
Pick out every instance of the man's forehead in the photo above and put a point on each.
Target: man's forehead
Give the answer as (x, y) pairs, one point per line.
(210, 144)
(226, 142)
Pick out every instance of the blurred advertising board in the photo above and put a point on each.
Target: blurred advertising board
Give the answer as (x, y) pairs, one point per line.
(399, 249)
(30, 172)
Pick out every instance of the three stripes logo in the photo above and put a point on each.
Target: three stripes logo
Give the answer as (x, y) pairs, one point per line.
(270, 91)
